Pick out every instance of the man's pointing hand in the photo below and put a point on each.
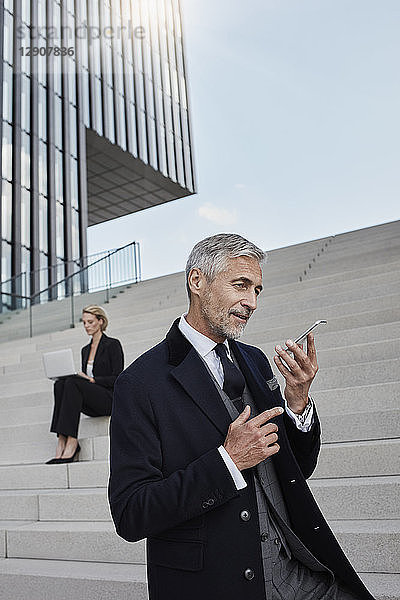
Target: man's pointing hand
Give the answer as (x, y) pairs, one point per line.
(249, 442)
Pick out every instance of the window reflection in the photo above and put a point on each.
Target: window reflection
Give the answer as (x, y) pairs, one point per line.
(8, 37)
(75, 234)
(42, 113)
(7, 151)
(42, 168)
(60, 230)
(7, 92)
(58, 121)
(25, 159)
(42, 223)
(110, 114)
(74, 183)
(6, 204)
(73, 146)
(25, 217)
(25, 103)
(58, 175)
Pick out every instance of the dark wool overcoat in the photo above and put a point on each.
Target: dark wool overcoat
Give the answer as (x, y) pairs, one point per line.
(169, 483)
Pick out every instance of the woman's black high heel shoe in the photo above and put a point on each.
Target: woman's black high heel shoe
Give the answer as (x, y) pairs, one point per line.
(62, 461)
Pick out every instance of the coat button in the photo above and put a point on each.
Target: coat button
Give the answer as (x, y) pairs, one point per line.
(249, 574)
(276, 541)
(245, 515)
(208, 503)
(264, 537)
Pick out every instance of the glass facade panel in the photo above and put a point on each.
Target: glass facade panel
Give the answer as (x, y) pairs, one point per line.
(25, 102)
(5, 262)
(42, 109)
(8, 37)
(85, 97)
(42, 168)
(43, 211)
(58, 122)
(7, 92)
(75, 234)
(58, 170)
(74, 184)
(24, 36)
(25, 159)
(73, 131)
(6, 169)
(6, 204)
(25, 218)
(60, 230)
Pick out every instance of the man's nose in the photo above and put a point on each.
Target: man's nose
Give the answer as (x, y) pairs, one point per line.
(250, 301)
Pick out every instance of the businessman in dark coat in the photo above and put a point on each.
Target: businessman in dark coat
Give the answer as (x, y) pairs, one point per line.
(220, 490)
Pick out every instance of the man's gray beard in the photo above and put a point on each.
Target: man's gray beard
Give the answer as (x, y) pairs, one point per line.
(219, 327)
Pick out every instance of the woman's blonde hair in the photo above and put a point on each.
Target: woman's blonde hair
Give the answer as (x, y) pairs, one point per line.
(98, 312)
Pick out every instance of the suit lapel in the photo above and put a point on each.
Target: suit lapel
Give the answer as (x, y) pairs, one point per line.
(190, 372)
(85, 356)
(100, 348)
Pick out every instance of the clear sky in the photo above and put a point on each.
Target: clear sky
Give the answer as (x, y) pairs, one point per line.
(296, 122)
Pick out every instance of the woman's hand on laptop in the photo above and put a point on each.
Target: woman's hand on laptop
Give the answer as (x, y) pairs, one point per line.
(81, 374)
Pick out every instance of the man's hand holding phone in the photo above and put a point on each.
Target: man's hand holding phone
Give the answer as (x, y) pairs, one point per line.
(298, 370)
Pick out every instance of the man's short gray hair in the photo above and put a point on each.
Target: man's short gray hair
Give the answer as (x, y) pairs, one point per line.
(211, 254)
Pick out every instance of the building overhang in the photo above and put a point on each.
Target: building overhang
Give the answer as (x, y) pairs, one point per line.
(120, 184)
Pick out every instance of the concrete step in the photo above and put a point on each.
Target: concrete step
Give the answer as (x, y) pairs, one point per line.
(358, 459)
(27, 399)
(90, 504)
(89, 427)
(73, 540)
(372, 546)
(380, 371)
(383, 586)
(38, 579)
(34, 452)
(370, 425)
(83, 474)
(373, 397)
(358, 497)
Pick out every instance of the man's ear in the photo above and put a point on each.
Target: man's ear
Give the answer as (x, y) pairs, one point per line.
(196, 281)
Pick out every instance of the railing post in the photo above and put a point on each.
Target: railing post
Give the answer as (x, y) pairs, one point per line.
(30, 318)
(108, 282)
(72, 324)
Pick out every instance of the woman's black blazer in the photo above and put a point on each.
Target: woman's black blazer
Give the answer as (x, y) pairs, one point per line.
(108, 361)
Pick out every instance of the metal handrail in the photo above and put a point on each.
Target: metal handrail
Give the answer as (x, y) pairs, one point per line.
(109, 254)
(62, 263)
(69, 290)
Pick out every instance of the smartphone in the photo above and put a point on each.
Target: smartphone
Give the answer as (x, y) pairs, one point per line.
(305, 333)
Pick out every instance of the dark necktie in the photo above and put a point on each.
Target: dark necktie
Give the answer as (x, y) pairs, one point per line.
(233, 379)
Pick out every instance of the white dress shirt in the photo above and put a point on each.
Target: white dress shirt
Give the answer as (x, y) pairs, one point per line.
(205, 347)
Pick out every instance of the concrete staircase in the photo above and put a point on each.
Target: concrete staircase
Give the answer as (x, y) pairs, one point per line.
(56, 536)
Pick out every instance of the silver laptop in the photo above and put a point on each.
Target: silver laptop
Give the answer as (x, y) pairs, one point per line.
(59, 363)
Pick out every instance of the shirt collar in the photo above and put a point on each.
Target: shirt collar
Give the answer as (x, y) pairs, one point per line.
(201, 343)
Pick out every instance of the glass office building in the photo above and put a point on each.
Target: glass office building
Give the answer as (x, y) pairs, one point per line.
(95, 125)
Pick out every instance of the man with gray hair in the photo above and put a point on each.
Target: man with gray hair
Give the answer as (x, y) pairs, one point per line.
(209, 461)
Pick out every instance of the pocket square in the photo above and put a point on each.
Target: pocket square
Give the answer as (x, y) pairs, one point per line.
(272, 383)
